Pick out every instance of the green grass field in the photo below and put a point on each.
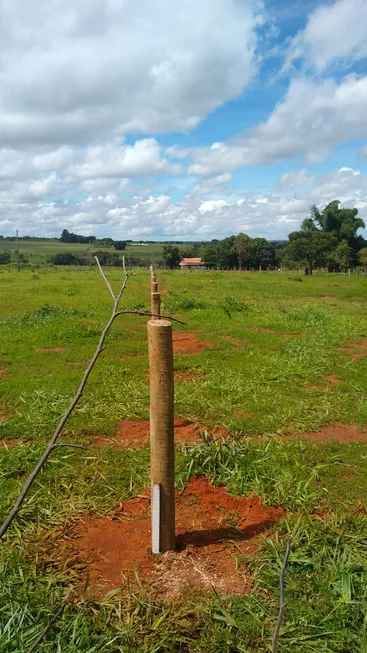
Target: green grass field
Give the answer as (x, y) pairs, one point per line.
(273, 343)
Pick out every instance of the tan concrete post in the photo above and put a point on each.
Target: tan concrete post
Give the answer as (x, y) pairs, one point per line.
(162, 429)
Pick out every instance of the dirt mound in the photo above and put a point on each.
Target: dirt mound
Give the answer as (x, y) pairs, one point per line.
(187, 343)
(356, 350)
(337, 432)
(210, 524)
(135, 433)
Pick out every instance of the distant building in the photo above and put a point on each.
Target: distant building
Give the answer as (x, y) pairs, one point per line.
(191, 264)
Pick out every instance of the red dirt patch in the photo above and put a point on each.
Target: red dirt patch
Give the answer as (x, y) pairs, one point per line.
(210, 524)
(356, 350)
(187, 343)
(58, 349)
(135, 433)
(347, 477)
(8, 444)
(288, 335)
(337, 432)
(335, 284)
(332, 381)
(329, 298)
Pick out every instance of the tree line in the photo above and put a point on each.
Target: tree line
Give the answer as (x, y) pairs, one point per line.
(70, 237)
(240, 252)
(327, 239)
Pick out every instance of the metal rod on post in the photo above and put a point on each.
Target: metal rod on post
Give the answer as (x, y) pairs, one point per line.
(162, 434)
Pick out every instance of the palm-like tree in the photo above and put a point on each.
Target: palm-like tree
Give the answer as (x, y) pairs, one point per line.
(344, 223)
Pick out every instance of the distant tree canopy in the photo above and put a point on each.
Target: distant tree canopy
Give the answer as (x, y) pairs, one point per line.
(69, 237)
(5, 258)
(327, 238)
(171, 256)
(68, 258)
(120, 245)
(239, 252)
(64, 258)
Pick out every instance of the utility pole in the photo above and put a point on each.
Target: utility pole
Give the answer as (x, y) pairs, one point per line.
(18, 251)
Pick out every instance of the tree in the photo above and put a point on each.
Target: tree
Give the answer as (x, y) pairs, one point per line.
(343, 255)
(106, 242)
(69, 237)
(362, 257)
(5, 258)
(243, 247)
(171, 256)
(263, 253)
(64, 258)
(343, 223)
(308, 248)
(120, 245)
(66, 237)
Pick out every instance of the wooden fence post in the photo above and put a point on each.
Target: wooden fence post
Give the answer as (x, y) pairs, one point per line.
(162, 434)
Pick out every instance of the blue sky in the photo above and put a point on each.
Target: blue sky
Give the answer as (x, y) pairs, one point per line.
(172, 119)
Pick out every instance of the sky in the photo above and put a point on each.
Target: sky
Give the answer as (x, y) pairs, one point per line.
(180, 119)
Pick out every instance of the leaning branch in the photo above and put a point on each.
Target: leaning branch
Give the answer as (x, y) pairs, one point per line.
(282, 598)
(53, 442)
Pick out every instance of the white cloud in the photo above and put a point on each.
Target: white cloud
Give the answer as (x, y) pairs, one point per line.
(143, 158)
(269, 214)
(77, 71)
(334, 33)
(210, 186)
(312, 118)
(211, 205)
(294, 180)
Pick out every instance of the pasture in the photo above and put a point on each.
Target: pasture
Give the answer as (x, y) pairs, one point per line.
(270, 385)
(38, 252)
